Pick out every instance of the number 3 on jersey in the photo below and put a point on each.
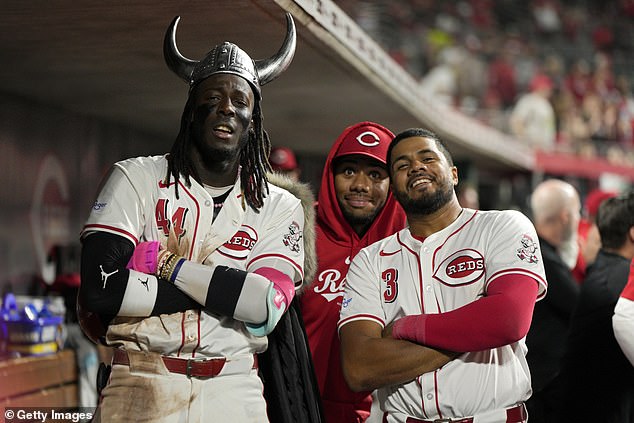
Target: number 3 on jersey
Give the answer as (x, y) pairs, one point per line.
(390, 279)
(163, 222)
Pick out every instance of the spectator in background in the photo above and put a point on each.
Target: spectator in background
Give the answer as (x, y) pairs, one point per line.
(546, 14)
(502, 79)
(579, 79)
(573, 129)
(472, 75)
(555, 69)
(533, 116)
(556, 208)
(594, 362)
(626, 112)
(588, 233)
(603, 35)
(441, 83)
(283, 161)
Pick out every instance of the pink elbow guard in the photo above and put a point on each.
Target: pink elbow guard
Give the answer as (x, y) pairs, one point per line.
(282, 283)
(278, 300)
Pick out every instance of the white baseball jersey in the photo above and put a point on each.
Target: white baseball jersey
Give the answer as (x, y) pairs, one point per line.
(135, 203)
(400, 275)
(623, 319)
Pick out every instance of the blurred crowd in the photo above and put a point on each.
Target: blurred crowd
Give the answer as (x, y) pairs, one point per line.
(555, 73)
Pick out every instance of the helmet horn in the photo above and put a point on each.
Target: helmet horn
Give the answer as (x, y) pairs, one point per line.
(179, 64)
(230, 59)
(269, 69)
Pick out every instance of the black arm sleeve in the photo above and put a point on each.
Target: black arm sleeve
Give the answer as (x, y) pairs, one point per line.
(104, 278)
(171, 300)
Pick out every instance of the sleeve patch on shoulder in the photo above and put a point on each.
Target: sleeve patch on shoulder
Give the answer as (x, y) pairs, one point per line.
(293, 238)
(528, 250)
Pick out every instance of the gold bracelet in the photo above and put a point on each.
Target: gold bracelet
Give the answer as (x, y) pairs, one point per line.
(166, 264)
(173, 266)
(170, 267)
(164, 257)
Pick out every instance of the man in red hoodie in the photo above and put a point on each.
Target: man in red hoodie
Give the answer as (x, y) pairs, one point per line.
(355, 209)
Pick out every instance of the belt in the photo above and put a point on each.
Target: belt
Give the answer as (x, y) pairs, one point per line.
(515, 414)
(194, 368)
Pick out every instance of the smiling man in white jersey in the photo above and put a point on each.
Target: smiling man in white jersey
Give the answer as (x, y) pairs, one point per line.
(456, 280)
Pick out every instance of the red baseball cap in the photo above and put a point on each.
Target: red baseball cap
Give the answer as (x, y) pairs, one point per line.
(594, 200)
(282, 159)
(366, 139)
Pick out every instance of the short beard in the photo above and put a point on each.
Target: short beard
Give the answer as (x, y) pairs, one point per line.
(427, 204)
(569, 249)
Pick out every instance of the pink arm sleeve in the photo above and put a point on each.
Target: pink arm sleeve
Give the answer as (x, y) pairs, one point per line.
(500, 318)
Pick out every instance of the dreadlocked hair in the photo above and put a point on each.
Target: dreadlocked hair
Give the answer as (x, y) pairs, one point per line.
(178, 160)
(254, 163)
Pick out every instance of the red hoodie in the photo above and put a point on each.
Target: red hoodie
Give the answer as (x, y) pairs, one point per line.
(337, 244)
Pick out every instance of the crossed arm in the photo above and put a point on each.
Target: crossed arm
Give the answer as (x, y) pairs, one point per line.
(105, 280)
(112, 286)
(373, 357)
(370, 361)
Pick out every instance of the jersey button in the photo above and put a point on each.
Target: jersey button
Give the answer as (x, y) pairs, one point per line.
(207, 203)
(430, 396)
(425, 250)
(428, 288)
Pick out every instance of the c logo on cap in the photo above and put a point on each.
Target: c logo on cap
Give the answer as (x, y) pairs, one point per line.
(368, 144)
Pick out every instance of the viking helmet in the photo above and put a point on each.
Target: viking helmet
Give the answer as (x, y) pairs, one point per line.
(229, 58)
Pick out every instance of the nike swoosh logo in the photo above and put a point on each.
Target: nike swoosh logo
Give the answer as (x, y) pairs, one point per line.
(384, 254)
(164, 185)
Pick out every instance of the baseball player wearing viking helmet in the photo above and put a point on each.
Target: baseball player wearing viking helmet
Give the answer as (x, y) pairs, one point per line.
(456, 279)
(191, 258)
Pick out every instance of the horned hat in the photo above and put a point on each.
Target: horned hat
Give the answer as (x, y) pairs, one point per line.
(229, 58)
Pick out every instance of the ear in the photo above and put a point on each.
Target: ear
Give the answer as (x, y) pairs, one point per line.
(630, 234)
(454, 175)
(564, 216)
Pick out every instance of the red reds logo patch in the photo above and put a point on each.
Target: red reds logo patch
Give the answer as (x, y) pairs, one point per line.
(461, 268)
(240, 244)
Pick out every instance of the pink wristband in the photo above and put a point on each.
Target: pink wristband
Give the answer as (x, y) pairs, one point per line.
(144, 257)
